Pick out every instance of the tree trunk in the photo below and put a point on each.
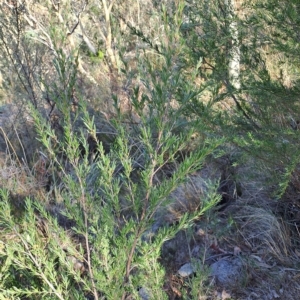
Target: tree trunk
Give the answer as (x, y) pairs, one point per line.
(234, 49)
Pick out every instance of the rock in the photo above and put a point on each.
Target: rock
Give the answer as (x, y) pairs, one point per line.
(186, 270)
(227, 272)
(144, 293)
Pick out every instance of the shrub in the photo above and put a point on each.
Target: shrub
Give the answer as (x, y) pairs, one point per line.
(91, 243)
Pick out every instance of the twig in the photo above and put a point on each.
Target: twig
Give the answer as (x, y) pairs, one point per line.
(9, 145)
(86, 237)
(38, 266)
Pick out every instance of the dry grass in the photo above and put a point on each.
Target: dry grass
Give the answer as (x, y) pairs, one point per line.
(279, 68)
(265, 236)
(20, 180)
(259, 224)
(263, 232)
(188, 197)
(15, 173)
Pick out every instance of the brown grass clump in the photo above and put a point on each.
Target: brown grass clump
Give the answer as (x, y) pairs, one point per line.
(263, 232)
(188, 197)
(21, 180)
(259, 225)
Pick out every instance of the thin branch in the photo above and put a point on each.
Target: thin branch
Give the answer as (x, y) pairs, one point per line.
(41, 273)
(86, 236)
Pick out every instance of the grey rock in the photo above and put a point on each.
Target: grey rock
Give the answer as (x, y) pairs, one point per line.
(186, 270)
(227, 272)
(144, 293)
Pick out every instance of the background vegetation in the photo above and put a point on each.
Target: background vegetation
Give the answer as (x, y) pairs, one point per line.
(134, 133)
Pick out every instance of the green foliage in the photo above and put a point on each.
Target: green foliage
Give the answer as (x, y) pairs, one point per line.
(93, 244)
(111, 202)
(262, 115)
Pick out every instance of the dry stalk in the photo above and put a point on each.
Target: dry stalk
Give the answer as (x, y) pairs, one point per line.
(86, 237)
(10, 146)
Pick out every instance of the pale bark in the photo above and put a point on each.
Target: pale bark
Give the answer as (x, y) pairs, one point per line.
(234, 50)
(108, 36)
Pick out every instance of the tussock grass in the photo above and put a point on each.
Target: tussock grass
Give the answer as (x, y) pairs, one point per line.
(263, 232)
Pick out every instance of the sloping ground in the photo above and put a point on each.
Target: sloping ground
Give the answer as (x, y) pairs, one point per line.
(248, 250)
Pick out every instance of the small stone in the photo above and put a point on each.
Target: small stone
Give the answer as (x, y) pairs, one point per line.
(186, 270)
(144, 294)
(227, 272)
